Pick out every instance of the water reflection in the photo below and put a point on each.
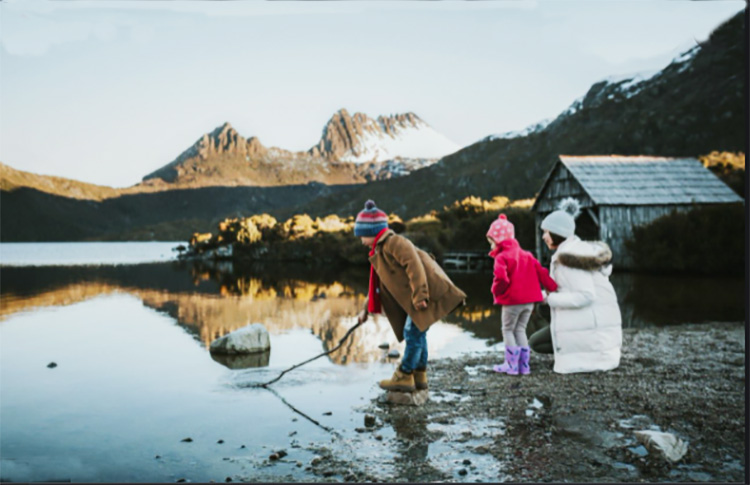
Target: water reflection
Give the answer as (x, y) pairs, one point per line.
(243, 361)
(210, 301)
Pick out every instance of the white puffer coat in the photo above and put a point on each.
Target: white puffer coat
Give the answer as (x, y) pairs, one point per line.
(586, 325)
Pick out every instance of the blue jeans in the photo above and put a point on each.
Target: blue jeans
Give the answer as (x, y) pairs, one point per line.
(415, 353)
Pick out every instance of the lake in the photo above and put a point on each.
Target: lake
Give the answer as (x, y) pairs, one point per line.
(128, 328)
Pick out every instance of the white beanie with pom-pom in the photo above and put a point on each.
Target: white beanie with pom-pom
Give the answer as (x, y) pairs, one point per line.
(563, 221)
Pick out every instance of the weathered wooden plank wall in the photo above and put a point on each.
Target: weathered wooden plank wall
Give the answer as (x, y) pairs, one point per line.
(617, 224)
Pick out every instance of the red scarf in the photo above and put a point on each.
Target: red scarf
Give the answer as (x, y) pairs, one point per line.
(373, 296)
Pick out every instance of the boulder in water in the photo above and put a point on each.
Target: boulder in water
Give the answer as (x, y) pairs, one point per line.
(416, 398)
(247, 340)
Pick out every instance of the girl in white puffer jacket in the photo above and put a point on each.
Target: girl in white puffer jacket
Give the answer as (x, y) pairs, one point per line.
(586, 325)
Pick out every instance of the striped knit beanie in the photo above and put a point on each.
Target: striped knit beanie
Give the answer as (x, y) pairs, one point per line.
(370, 221)
(501, 229)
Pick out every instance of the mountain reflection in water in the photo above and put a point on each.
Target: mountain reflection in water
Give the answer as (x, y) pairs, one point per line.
(211, 300)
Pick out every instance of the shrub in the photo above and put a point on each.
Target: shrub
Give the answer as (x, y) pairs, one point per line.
(299, 226)
(704, 240)
(200, 242)
(240, 230)
(463, 225)
(729, 167)
(331, 223)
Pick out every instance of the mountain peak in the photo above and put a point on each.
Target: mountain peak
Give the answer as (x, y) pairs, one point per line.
(223, 141)
(359, 138)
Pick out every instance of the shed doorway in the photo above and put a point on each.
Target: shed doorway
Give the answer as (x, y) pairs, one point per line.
(586, 227)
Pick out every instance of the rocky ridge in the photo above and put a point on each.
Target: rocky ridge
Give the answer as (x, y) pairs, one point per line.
(352, 149)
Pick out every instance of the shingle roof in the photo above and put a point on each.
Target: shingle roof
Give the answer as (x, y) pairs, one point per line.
(617, 180)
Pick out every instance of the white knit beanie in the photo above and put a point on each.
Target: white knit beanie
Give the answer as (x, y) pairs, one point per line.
(562, 221)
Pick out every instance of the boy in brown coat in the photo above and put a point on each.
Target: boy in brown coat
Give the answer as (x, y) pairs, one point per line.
(410, 287)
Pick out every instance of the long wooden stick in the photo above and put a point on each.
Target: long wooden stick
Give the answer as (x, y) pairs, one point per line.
(341, 342)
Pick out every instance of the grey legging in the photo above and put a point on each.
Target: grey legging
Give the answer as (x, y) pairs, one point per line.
(515, 318)
(541, 341)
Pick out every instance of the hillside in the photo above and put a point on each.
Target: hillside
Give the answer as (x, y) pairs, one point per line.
(12, 179)
(31, 215)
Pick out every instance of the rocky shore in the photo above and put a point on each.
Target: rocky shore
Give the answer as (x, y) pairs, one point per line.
(479, 426)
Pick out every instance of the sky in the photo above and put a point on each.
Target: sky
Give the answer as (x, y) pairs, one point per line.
(108, 92)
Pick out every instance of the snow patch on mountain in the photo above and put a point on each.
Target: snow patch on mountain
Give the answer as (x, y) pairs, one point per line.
(631, 84)
(418, 141)
(533, 128)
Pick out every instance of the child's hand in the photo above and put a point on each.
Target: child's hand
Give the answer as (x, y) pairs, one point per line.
(421, 305)
(544, 297)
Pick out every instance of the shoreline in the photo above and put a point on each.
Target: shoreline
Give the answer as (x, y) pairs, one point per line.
(547, 427)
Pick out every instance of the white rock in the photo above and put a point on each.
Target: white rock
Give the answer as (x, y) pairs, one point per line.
(670, 446)
(416, 398)
(247, 340)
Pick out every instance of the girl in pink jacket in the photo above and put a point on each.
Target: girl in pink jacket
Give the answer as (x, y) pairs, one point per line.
(516, 286)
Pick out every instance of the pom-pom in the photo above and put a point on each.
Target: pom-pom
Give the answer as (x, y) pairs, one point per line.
(369, 205)
(503, 217)
(571, 206)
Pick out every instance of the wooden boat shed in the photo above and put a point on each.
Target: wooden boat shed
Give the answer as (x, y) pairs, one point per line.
(618, 193)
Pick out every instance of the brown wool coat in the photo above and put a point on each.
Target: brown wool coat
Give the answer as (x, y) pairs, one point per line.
(409, 275)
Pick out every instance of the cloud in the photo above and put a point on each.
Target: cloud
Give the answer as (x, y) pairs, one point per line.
(33, 34)
(32, 27)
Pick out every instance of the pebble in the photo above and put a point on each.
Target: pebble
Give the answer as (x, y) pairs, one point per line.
(221, 442)
(327, 413)
(394, 354)
(378, 437)
(369, 420)
(228, 479)
(316, 460)
(467, 462)
(180, 480)
(242, 447)
(187, 440)
(384, 345)
(157, 457)
(51, 365)
(274, 457)
(463, 472)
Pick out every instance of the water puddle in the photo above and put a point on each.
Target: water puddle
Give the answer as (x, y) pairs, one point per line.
(449, 454)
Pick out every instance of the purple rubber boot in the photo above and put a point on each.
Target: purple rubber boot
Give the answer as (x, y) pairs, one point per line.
(523, 361)
(510, 367)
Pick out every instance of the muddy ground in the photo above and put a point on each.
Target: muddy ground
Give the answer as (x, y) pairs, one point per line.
(547, 427)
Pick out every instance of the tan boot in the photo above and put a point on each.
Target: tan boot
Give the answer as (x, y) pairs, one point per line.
(399, 382)
(420, 379)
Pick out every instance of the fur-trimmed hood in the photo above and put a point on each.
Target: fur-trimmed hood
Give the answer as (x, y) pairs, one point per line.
(586, 255)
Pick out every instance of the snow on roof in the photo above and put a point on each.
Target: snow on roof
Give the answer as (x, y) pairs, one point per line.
(646, 180)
